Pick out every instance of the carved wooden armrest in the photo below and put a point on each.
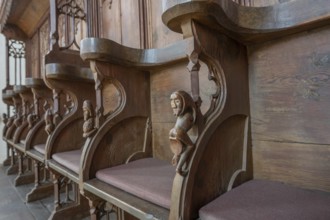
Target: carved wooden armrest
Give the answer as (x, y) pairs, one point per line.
(122, 87)
(43, 100)
(248, 24)
(71, 84)
(7, 98)
(22, 110)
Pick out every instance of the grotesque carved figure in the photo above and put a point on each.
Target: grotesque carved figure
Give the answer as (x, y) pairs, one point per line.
(88, 127)
(184, 109)
(49, 128)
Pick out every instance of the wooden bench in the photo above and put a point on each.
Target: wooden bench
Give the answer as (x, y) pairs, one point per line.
(67, 75)
(7, 119)
(135, 175)
(287, 175)
(14, 129)
(78, 83)
(37, 137)
(25, 173)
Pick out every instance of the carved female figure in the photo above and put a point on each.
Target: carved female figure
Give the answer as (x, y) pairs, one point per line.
(181, 145)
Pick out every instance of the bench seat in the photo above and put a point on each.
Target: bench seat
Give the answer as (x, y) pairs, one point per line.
(40, 148)
(150, 179)
(261, 199)
(69, 159)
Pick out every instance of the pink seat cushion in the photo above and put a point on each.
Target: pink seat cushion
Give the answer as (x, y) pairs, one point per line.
(69, 159)
(40, 148)
(260, 199)
(149, 179)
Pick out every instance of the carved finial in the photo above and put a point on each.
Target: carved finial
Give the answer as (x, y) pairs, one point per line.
(49, 128)
(184, 108)
(88, 127)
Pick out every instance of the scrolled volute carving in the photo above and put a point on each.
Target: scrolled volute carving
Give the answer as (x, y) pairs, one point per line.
(31, 119)
(10, 121)
(89, 124)
(185, 109)
(18, 120)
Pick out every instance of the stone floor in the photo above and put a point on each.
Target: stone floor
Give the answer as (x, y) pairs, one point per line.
(12, 201)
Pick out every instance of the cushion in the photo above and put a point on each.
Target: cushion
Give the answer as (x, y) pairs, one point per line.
(261, 199)
(149, 179)
(69, 159)
(40, 148)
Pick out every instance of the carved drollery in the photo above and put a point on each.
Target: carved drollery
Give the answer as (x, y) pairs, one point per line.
(89, 125)
(49, 128)
(184, 108)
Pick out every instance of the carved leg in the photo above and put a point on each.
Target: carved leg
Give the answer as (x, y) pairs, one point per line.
(6, 162)
(71, 210)
(183, 158)
(13, 168)
(95, 208)
(41, 189)
(23, 177)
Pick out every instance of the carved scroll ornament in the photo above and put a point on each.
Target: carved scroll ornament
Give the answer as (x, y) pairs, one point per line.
(89, 125)
(184, 108)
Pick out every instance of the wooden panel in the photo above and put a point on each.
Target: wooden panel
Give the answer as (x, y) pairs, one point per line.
(35, 55)
(32, 15)
(290, 98)
(304, 165)
(131, 23)
(159, 33)
(111, 20)
(290, 89)
(44, 45)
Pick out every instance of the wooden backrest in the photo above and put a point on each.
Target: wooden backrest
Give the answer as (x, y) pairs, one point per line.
(68, 76)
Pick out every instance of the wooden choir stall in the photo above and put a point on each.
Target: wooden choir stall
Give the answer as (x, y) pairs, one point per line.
(179, 110)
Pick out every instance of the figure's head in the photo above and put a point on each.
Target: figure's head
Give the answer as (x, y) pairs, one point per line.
(180, 102)
(88, 109)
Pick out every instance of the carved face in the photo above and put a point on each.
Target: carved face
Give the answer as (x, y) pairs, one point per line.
(176, 104)
(86, 113)
(87, 109)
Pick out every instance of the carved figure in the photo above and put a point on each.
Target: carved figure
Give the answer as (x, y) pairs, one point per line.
(181, 145)
(49, 128)
(88, 127)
